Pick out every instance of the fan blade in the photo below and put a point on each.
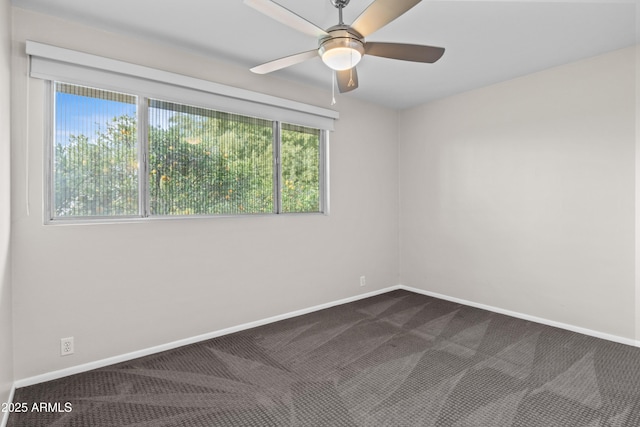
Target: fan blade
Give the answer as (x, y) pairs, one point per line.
(405, 52)
(347, 80)
(286, 17)
(380, 13)
(287, 61)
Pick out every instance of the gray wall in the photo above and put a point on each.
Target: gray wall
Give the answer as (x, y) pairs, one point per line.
(6, 349)
(521, 195)
(119, 288)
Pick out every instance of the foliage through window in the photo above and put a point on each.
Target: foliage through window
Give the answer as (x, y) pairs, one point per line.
(184, 160)
(95, 153)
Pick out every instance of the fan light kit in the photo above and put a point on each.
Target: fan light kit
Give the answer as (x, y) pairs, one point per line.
(342, 46)
(341, 53)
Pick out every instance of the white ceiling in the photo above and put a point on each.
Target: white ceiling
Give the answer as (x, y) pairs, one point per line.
(486, 41)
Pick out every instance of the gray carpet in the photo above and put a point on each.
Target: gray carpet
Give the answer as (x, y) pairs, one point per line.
(397, 359)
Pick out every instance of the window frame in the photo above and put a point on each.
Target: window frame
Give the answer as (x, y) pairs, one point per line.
(144, 196)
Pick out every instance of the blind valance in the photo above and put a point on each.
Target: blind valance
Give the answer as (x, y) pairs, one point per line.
(69, 66)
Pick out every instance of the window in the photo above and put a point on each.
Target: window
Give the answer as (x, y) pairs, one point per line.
(95, 153)
(120, 155)
(300, 181)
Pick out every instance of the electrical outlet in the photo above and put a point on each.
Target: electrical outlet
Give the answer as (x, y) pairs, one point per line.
(66, 346)
(363, 281)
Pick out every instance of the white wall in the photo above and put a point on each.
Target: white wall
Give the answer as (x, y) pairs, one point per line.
(123, 287)
(521, 195)
(6, 349)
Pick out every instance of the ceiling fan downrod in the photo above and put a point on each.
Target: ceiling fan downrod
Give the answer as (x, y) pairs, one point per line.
(340, 4)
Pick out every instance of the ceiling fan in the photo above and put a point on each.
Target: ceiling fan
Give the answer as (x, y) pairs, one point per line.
(342, 46)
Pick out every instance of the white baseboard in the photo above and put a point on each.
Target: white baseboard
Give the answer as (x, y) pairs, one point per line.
(49, 376)
(515, 314)
(179, 343)
(5, 415)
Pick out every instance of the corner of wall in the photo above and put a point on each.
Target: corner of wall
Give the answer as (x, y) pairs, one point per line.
(637, 186)
(6, 309)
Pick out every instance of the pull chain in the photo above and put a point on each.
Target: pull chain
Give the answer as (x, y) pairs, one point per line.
(333, 88)
(351, 83)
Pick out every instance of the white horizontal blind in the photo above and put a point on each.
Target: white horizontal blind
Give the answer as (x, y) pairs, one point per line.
(59, 64)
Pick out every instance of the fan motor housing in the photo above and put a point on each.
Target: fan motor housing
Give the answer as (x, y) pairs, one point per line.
(341, 36)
